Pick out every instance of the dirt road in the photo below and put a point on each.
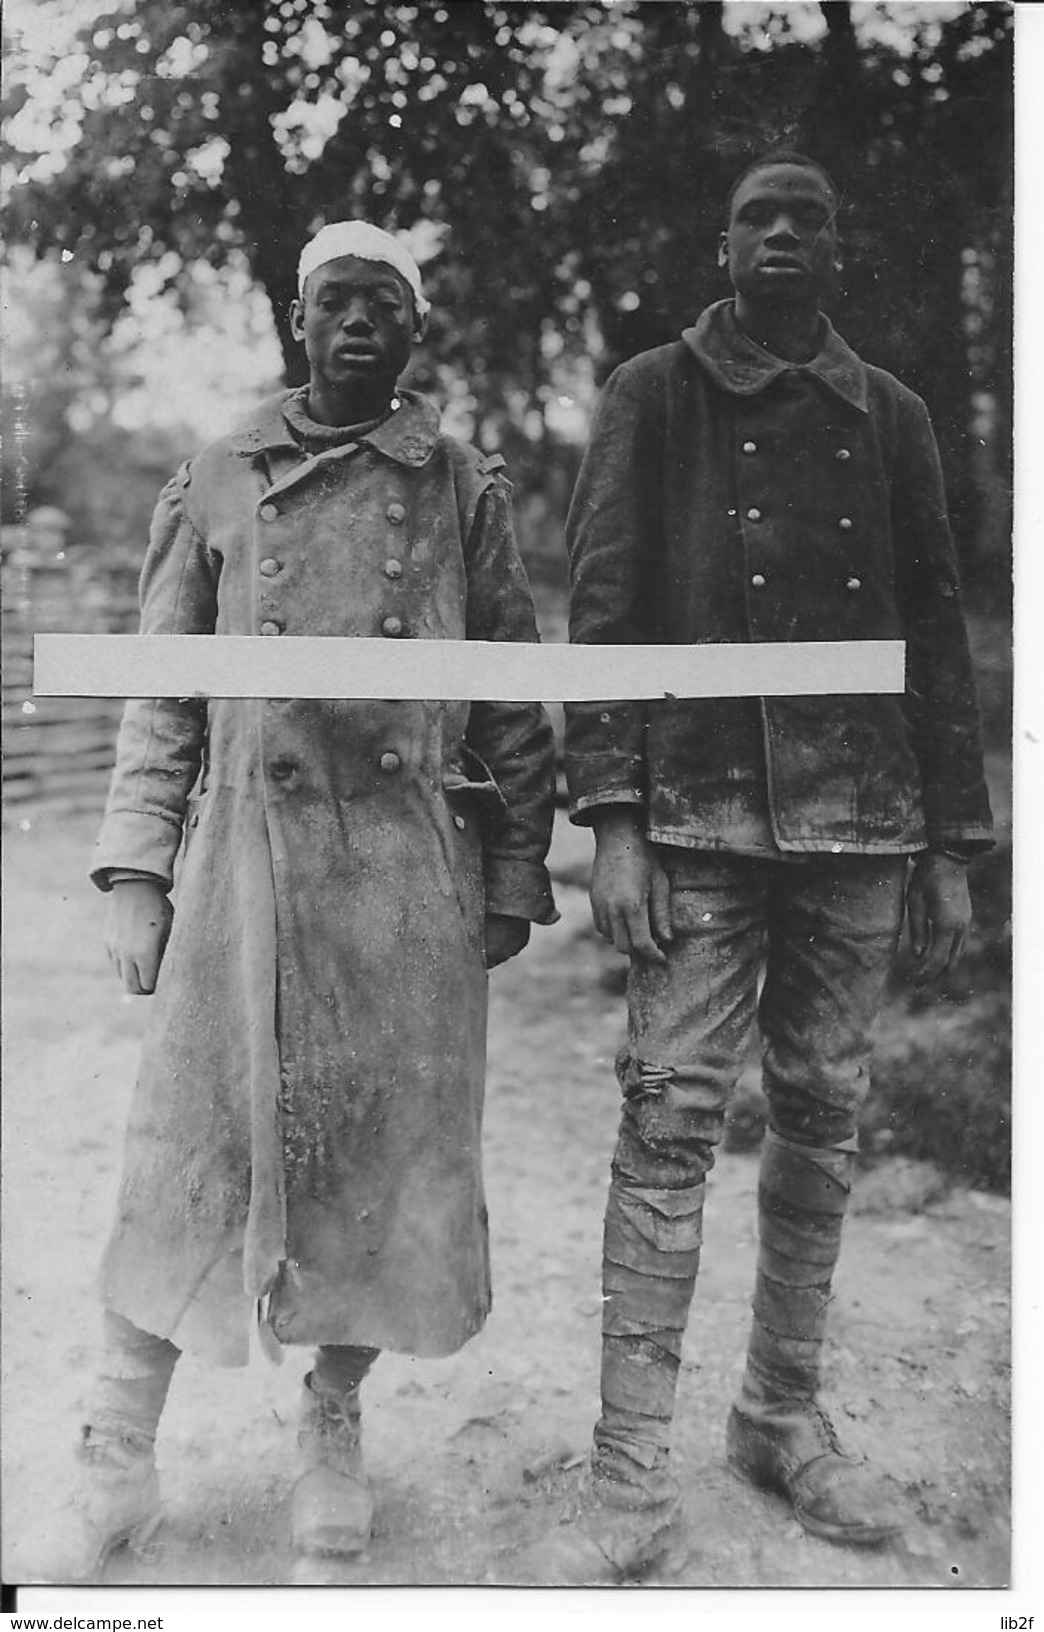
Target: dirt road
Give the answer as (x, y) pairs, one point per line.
(472, 1456)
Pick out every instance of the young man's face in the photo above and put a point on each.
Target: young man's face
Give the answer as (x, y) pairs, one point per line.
(358, 325)
(781, 241)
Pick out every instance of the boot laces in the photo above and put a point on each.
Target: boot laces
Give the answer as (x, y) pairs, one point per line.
(332, 1417)
(826, 1433)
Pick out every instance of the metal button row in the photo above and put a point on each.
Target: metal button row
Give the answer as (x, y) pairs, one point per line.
(754, 514)
(758, 581)
(390, 627)
(841, 455)
(395, 512)
(283, 769)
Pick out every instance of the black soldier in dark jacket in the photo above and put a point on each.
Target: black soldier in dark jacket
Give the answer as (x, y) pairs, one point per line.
(756, 481)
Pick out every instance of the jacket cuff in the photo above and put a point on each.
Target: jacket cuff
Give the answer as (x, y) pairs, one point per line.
(138, 841)
(583, 808)
(963, 842)
(520, 889)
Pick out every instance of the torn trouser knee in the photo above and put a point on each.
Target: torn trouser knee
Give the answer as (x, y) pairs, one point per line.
(802, 1197)
(673, 1117)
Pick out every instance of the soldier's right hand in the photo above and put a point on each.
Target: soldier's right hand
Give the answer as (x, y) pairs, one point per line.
(139, 920)
(630, 891)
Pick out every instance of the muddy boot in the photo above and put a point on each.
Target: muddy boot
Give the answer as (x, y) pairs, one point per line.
(112, 1496)
(628, 1500)
(777, 1435)
(331, 1505)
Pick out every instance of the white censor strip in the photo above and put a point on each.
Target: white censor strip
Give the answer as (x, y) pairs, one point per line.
(455, 670)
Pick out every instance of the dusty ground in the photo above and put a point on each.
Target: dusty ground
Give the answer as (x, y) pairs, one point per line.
(472, 1456)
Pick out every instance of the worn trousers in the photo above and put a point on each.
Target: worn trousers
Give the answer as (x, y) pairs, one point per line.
(818, 935)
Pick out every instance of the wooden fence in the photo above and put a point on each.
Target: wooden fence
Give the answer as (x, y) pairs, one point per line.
(58, 751)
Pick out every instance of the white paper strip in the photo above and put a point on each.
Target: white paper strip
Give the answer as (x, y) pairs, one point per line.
(468, 670)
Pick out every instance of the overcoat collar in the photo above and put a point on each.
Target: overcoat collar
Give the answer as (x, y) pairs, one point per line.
(742, 367)
(408, 435)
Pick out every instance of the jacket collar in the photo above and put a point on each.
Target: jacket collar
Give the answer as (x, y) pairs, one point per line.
(743, 368)
(408, 435)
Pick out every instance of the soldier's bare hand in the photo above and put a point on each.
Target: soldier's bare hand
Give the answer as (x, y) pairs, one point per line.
(938, 909)
(505, 937)
(630, 892)
(140, 916)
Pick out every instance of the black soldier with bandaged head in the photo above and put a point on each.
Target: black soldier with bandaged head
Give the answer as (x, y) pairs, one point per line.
(304, 1143)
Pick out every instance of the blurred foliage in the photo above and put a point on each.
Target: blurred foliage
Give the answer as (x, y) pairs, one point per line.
(564, 166)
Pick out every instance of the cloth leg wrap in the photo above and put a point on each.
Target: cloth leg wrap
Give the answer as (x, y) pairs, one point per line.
(130, 1390)
(802, 1197)
(650, 1260)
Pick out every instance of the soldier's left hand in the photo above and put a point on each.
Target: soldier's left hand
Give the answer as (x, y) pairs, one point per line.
(504, 937)
(939, 912)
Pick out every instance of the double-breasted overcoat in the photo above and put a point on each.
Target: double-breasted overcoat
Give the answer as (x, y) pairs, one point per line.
(306, 1122)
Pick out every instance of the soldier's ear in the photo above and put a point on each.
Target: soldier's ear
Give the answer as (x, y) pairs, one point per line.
(420, 325)
(297, 319)
(723, 249)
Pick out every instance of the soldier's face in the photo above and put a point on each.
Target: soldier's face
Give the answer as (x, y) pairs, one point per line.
(357, 321)
(781, 240)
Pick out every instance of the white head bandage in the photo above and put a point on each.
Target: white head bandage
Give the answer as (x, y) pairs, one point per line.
(366, 242)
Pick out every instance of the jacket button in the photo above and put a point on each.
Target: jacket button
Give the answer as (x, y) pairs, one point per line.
(733, 512)
(392, 568)
(845, 524)
(754, 514)
(391, 626)
(750, 447)
(270, 627)
(458, 821)
(268, 568)
(854, 584)
(390, 763)
(269, 512)
(758, 580)
(842, 454)
(396, 512)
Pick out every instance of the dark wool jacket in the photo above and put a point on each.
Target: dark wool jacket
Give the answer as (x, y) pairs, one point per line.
(730, 496)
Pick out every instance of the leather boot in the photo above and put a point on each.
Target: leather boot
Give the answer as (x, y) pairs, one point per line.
(777, 1435)
(331, 1505)
(618, 1526)
(112, 1498)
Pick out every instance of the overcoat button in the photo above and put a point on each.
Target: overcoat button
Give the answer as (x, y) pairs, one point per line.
(750, 447)
(268, 568)
(845, 524)
(843, 454)
(758, 581)
(854, 583)
(392, 626)
(458, 821)
(754, 514)
(396, 512)
(390, 763)
(392, 568)
(269, 512)
(270, 628)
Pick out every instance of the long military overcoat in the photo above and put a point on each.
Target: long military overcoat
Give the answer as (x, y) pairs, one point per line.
(306, 1122)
